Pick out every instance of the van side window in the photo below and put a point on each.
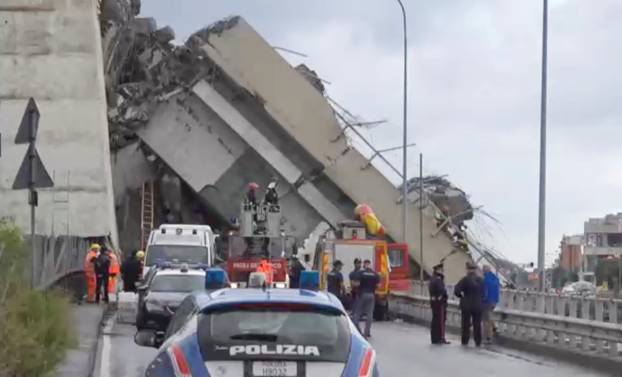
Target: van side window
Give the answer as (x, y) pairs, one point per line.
(186, 309)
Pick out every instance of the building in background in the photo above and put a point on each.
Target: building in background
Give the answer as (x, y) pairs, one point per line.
(603, 248)
(571, 253)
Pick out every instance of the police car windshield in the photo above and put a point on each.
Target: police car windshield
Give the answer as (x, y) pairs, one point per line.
(274, 331)
(176, 254)
(177, 283)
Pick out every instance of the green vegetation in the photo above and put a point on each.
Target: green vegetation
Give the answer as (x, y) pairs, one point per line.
(34, 326)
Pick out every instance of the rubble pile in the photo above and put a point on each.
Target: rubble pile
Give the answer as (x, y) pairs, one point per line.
(142, 67)
(451, 200)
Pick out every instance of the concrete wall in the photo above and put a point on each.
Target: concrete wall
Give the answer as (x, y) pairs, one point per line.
(50, 50)
(307, 117)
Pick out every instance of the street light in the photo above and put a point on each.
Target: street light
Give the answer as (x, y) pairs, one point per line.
(405, 132)
(542, 197)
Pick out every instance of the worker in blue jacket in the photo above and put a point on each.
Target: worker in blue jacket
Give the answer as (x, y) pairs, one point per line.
(491, 299)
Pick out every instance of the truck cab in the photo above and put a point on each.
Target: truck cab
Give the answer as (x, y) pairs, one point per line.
(180, 243)
(351, 246)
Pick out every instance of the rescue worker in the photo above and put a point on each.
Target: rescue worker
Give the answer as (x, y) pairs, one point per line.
(355, 281)
(491, 299)
(272, 197)
(140, 255)
(266, 267)
(89, 272)
(366, 300)
(251, 194)
(295, 268)
(130, 272)
(334, 280)
(114, 272)
(102, 272)
(470, 290)
(438, 303)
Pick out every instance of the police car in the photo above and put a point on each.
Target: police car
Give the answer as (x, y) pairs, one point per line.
(163, 292)
(259, 332)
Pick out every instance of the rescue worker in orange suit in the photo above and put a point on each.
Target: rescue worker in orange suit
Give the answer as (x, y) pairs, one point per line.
(114, 272)
(89, 272)
(438, 303)
(266, 268)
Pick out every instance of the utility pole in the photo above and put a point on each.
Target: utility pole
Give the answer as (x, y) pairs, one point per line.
(405, 132)
(421, 217)
(542, 198)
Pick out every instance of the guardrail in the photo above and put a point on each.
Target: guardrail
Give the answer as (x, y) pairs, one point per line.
(589, 308)
(574, 334)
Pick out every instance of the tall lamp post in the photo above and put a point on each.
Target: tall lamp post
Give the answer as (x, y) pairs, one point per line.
(542, 198)
(405, 131)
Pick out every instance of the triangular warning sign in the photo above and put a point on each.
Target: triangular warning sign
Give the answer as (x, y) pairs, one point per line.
(42, 178)
(31, 115)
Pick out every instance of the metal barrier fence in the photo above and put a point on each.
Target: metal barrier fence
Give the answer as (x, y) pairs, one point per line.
(57, 257)
(570, 333)
(589, 308)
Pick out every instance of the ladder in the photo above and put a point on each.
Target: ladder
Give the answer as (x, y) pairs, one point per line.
(146, 213)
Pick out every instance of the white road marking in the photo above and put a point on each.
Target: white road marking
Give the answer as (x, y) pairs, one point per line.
(104, 368)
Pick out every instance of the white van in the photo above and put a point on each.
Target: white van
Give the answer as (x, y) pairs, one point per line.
(180, 243)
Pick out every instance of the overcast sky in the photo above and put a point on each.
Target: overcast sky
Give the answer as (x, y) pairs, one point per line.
(474, 93)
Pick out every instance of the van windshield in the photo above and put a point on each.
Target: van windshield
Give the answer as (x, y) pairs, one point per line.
(176, 254)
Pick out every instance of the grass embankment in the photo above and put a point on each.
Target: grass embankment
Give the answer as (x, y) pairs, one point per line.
(34, 326)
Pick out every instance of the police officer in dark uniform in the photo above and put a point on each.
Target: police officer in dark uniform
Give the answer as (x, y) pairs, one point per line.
(334, 280)
(438, 303)
(355, 282)
(470, 289)
(102, 274)
(367, 297)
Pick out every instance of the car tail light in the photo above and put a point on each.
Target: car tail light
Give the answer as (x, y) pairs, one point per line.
(180, 365)
(367, 364)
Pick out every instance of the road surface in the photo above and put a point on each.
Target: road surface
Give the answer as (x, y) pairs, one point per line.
(403, 350)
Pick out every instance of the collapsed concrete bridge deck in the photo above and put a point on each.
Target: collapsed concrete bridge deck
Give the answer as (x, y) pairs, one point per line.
(248, 115)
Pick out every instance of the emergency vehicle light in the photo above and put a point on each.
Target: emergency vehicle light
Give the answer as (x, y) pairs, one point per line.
(215, 278)
(310, 280)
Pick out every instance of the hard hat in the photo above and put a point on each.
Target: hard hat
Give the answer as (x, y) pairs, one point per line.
(272, 185)
(140, 254)
(95, 246)
(362, 209)
(253, 186)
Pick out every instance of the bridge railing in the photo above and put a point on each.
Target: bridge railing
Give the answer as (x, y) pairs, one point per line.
(598, 309)
(583, 336)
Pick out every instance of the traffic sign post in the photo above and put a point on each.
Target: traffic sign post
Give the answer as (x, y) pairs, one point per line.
(32, 173)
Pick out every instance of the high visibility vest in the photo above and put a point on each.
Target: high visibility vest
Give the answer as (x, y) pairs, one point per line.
(266, 268)
(89, 267)
(115, 268)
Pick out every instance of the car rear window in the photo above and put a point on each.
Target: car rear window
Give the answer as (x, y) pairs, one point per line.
(274, 332)
(177, 283)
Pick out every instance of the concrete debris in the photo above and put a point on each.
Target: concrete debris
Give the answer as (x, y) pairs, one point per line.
(312, 77)
(164, 35)
(451, 200)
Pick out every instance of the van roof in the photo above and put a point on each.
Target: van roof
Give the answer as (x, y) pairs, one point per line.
(206, 228)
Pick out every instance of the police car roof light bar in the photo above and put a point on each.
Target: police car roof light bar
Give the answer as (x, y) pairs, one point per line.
(310, 280)
(215, 278)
